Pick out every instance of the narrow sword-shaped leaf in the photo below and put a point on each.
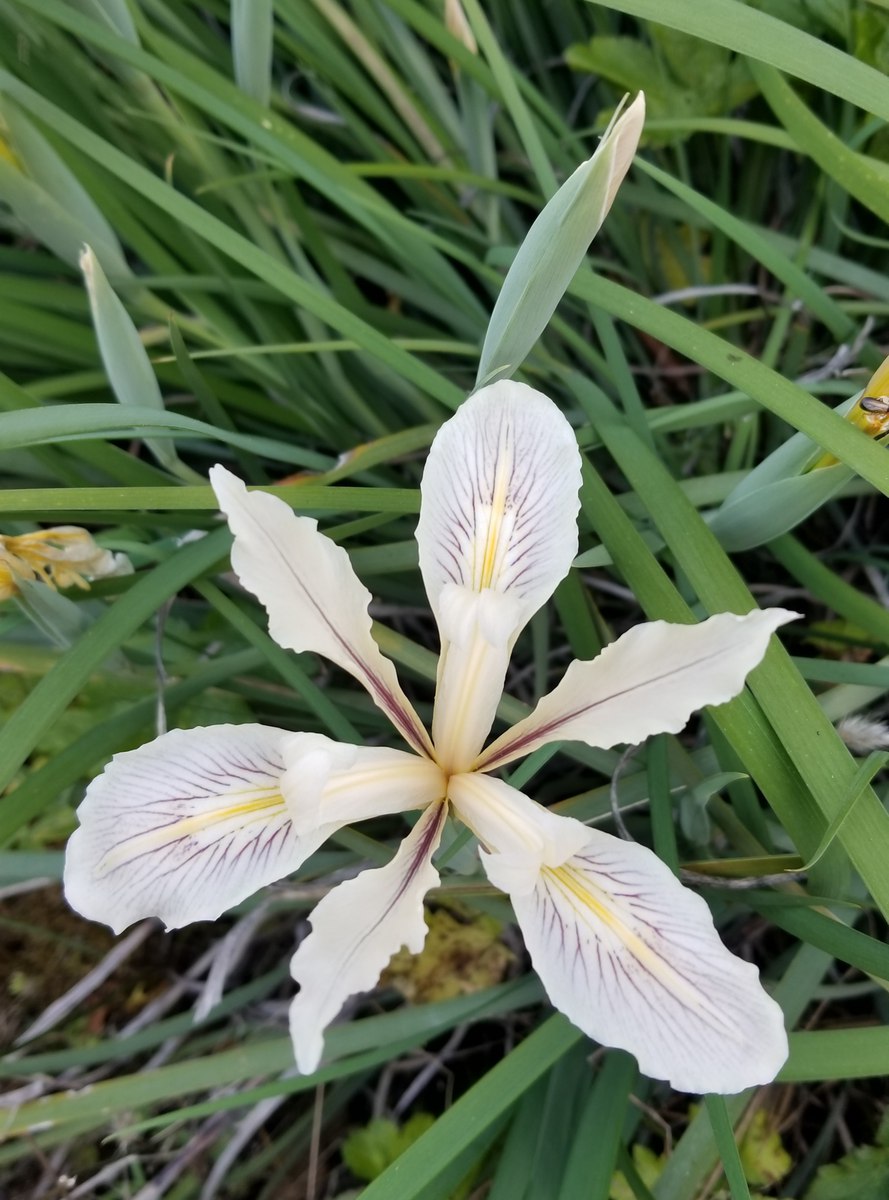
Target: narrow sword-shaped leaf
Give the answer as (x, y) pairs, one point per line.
(50, 200)
(767, 39)
(129, 370)
(554, 248)
(115, 13)
(252, 23)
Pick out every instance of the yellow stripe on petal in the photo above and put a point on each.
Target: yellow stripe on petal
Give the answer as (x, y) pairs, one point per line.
(331, 784)
(497, 532)
(500, 500)
(632, 958)
(185, 827)
(262, 807)
(580, 893)
(199, 819)
(518, 836)
(497, 527)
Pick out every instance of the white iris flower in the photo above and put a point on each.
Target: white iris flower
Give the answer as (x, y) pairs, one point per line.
(197, 820)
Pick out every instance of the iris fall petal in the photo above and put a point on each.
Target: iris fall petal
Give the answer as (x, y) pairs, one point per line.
(632, 958)
(184, 828)
(497, 532)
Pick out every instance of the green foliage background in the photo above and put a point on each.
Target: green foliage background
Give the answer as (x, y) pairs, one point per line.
(307, 208)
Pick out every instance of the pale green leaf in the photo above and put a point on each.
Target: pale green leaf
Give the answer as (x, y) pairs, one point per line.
(47, 197)
(114, 13)
(775, 508)
(252, 24)
(126, 360)
(553, 250)
(741, 27)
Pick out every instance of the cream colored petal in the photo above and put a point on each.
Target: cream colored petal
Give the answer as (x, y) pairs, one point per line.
(623, 133)
(633, 959)
(314, 599)
(649, 681)
(197, 820)
(356, 929)
(500, 500)
(185, 827)
(497, 531)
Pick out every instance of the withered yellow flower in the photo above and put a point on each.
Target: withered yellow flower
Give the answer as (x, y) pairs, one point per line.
(62, 557)
(871, 413)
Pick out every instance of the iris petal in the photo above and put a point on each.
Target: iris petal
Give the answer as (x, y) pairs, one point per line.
(649, 681)
(632, 958)
(199, 819)
(313, 597)
(356, 929)
(184, 827)
(497, 532)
